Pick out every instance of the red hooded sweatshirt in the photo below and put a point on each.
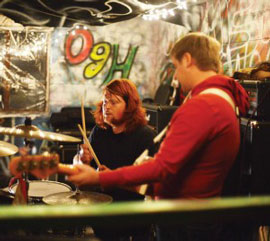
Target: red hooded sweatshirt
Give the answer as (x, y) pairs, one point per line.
(199, 148)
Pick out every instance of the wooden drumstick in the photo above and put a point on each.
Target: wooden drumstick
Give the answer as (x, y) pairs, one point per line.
(83, 123)
(83, 115)
(89, 145)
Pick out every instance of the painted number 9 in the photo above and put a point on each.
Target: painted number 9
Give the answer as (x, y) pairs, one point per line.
(99, 56)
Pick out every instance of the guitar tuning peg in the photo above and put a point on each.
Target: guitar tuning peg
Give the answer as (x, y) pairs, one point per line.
(21, 166)
(43, 164)
(32, 165)
(53, 163)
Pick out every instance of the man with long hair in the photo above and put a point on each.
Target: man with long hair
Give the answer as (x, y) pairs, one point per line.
(121, 133)
(120, 136)
(202, 141)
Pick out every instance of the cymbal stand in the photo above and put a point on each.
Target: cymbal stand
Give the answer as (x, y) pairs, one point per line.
(77, 160)
(26, 150)
(28, 143)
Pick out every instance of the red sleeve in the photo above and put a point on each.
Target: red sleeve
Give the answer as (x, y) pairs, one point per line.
(131, 175)
(191, 126)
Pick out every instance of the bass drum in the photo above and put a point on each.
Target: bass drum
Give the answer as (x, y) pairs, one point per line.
(39, 189)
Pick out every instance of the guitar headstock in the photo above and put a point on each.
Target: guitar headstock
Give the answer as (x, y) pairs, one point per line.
(40, 166)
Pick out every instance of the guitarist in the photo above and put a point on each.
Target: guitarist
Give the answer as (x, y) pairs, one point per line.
(202, 141)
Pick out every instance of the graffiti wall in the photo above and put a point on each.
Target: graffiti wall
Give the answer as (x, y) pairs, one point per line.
(240, 25)
(84, 59)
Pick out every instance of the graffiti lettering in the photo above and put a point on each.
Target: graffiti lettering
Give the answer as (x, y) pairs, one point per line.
(86, 45)
(100, 55)
(123, 67)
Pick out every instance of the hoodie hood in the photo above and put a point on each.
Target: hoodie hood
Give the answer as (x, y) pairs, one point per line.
(230, 86)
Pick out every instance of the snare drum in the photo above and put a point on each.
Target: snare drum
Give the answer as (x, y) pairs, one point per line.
(39, 189)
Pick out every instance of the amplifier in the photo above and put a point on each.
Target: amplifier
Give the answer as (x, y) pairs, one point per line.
(255, 156)
(259, 98)
(159, 115)
(70, 117)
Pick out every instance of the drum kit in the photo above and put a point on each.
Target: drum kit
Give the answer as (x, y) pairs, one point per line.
(49, 192)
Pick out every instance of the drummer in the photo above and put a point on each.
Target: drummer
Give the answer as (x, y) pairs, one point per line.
(202, 141)
(121, 132)
(120, 135)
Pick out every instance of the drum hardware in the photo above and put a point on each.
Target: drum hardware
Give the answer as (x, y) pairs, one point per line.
(7, 149)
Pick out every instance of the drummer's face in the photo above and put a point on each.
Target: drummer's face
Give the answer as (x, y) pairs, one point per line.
(113, 108)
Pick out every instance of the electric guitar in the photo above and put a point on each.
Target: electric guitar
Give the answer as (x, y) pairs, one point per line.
(41, 166)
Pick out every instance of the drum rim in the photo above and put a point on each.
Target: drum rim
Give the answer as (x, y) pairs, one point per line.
(12, 192)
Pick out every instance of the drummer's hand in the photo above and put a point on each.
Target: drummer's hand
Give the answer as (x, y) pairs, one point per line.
(85, 154)
(86, 176)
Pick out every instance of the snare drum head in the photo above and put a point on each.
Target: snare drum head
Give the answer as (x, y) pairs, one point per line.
(40, 189)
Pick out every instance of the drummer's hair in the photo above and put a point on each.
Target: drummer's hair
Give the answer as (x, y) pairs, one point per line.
(204, 49)
(134, 115)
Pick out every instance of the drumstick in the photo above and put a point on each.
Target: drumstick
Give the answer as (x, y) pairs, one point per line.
(89, 146)
(83, 115)
(83, 125)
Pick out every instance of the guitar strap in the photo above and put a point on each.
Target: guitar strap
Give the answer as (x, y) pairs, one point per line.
(223, 95)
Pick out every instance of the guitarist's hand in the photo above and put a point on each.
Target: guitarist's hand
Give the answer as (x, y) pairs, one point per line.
(103, 168)
(85, 154)
(86, 176)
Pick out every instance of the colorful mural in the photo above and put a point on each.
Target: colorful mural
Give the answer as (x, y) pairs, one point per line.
(86, 58)
(240, 25)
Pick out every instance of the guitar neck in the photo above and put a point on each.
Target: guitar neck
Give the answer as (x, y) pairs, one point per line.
(67, 169)
(40, 166)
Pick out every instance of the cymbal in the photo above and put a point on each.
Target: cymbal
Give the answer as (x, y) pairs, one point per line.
(31, 131)
(80, 197)
(7, 149)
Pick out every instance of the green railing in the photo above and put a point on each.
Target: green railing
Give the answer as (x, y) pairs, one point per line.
(244, 209)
